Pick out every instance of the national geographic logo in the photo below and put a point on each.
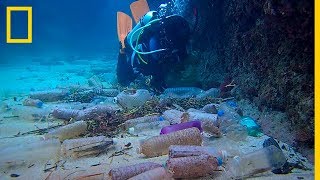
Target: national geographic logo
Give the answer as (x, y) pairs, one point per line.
(12, 9)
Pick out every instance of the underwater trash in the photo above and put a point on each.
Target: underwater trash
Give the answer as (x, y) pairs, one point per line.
(145, 119)
(127, 172)
(50, 95)
(204, 117)
(159, 145)
(209, 126)
(192, 166)
(32, 152)
(95, 82)
(173, 116)
(236, 132)
(65, 114)
(213, 93)
(32, 102)
(130, 99)
(109, 92)
(181, 92)
(210, 108)
(67, 132)
(181, 126)
(159, 173)
(256, 162)
(176, 151)
(86, 114)
(96, 112)
(148, 126)
(252, 127)
(30, 113)
(76, 148)
(227, 116)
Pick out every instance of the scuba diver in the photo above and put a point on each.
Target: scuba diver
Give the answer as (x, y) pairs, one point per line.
(156, 44)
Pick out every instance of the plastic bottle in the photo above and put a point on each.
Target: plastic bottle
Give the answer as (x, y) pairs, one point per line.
(156, 125)
(227, 116)
(181, 126)
(176, 151)
(33, 152)
(50, 95)
(159, 145)
(236, 132)
(33, 102)
(204, 117)
(252, 127)
(109, 92)
(67, 132)
(145, 119)
(65, 114)
(131, 171)
(256, 162)
(192, 166)
(133, 99)
(76, 148)
(159, 173)
(209, 127)
(173, 116)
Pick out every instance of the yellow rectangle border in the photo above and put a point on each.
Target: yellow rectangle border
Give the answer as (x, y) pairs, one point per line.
(317, 89)
(19, 8)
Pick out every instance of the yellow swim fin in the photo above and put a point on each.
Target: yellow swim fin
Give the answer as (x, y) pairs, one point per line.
(124, 26)
(138, 9)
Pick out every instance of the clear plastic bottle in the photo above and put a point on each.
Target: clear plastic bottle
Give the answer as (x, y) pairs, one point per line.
(156, 125)
(253, 163)
(145, 119)
(159, 145)
(67, 132)
(227, 116)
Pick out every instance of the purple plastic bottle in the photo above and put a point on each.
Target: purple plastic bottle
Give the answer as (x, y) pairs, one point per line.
(181, 126)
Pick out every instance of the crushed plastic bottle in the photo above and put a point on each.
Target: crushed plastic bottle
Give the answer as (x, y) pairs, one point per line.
(252, 127)
(159, 145)
(133, 98)
(253, 163)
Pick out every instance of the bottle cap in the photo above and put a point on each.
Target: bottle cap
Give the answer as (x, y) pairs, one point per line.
(220, 112)
(220, 161)
(161, 118)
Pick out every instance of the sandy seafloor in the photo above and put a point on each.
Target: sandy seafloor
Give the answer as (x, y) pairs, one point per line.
(18, 80)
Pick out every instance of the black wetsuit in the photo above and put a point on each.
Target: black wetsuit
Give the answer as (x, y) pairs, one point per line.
(171, 34)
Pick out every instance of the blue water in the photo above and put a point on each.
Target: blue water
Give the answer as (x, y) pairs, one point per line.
(63, 27)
